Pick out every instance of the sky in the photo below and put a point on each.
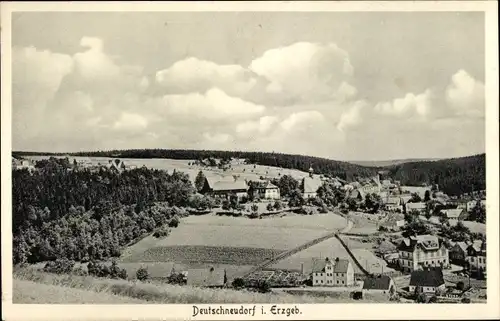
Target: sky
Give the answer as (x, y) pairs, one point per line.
(341, 85)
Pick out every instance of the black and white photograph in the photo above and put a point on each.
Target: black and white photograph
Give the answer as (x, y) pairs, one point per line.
(247, 163)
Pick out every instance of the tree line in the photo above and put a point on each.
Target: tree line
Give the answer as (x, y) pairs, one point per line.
(87, 215)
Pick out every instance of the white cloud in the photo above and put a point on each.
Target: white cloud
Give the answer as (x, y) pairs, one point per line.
(465, 95)
(214, 105)
(302, 120)
(131, 121)
(304, 71)
(261, 126)
(195, 75)
(351, 117)
(410, 105)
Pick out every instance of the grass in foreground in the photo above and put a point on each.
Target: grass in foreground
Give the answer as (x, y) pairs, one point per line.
(26, 292)
(150, 292)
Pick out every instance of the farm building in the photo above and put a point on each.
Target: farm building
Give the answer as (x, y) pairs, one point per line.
(264, 190)
(458, 253)
(310, 185)
(356, 194)
(455, 213)
(225, 188)
(326, 272)
(476, 257)
(210, 277)
(427, 281)
(422, 251)
(419, 207)
(381, 284)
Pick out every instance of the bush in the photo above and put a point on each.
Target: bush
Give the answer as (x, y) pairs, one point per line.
(465, 300)
(382, 229)
(161, 232)
(238, 283)
(270, 207)
(177, 278)
(357, 295)
(80, 271)
(59, 266)
(263, 287)
(277, 205)
(142, 274)
(460, 286)
(174, 222)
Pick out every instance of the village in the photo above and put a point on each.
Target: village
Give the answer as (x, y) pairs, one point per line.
(426, 268)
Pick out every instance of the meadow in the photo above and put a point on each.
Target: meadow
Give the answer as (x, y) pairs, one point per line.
(234, 243)
(31, 286)
(245, 171)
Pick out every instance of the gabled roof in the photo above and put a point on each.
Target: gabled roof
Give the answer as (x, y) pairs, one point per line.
(477, 247)
(405, 198)
(426, 242)
(319, 264)
(206, 277)
(453, 213)
(430, 277)
(341, 266)
(415, 206)
(462, 245)
(230, 186)
(311, 185)
(381, 282)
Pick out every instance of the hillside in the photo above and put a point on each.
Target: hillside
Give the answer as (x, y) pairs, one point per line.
(454, 176)
(392, 162)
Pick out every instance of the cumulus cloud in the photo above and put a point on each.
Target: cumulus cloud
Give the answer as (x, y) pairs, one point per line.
(130, 121)
(305, 71)
(261, 126)
(410, 105)
(465, 95)
(196, 75)
(214, 105)
(351, 117)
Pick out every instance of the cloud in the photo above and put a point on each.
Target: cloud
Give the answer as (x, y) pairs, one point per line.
(410, 105)
(465, 95)
(305, 71)
(351, 117)
(213, 105)
(261, 126)
(195, 75)
(130, 121)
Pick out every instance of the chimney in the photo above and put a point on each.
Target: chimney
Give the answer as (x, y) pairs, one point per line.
(302, 268)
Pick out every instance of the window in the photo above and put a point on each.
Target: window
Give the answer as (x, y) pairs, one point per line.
(342, 282)
(337, 281)
(316, 281)
(321, 281)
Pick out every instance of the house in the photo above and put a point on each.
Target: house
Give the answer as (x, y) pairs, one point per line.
(381, 284)
(393, 204)
(310, 185)
(458, 253)
(326, 272)
(417, 252)
(455, 213)
(405, 199)
(225, 188)
(476, 257)
(210, 277)
(471, 205)
(419, 207)
(264, 190)
(429, 280)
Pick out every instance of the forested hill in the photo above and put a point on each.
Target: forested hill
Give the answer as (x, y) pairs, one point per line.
(454, 176)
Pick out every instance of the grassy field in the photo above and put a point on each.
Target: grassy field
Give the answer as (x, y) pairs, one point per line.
(243, 170)
(232, 243)
(29, 292)
(61, 286)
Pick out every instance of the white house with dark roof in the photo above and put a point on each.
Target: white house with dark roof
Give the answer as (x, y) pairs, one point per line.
(338, 272)
(393, 204)
(417, 252)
